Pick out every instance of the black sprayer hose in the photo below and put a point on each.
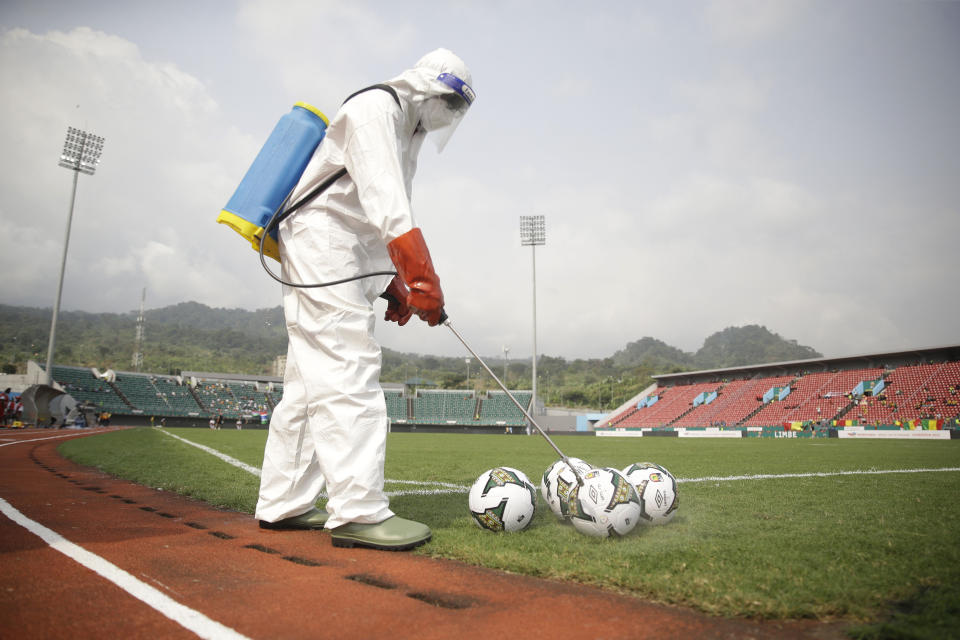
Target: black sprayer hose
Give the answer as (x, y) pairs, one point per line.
(446, 322)
(282, 213)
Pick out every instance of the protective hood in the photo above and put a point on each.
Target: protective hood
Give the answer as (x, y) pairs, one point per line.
(438, 88)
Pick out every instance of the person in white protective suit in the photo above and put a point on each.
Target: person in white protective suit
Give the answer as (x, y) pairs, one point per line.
(329, 430)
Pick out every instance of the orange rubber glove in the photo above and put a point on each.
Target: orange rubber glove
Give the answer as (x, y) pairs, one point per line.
(412, 258)
(396, 297)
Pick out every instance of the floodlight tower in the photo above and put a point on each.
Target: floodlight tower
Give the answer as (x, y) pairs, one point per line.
(81, 153)
(138, 336)
(506, 360)
(533, 232)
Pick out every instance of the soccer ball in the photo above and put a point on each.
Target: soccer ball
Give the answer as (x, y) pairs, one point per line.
(503, 499)
(657, 489)
(557, 482)
(605, 505)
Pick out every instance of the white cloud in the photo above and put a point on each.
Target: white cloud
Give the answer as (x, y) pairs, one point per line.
(167, 167)
(325, 48)
(726, 91)
(745, 21)
(695, 174)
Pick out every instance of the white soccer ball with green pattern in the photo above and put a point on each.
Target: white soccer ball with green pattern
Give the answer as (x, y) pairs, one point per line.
(557, 483)
(657, 489)
(605, 505)
(503, 499)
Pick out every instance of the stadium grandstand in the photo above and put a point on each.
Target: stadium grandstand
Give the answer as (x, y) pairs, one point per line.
(917, 389)
(193, 398)
(902, 390)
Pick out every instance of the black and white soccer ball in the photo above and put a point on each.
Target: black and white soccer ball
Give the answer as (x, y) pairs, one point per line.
(657, 489)
(557, 483)
(503, 499)
(605, 505)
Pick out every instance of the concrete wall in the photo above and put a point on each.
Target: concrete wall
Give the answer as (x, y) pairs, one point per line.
(19, 382)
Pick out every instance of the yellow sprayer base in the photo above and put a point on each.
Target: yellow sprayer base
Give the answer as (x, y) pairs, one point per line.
(251, 232)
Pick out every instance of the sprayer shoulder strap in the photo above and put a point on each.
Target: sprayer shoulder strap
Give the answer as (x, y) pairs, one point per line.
(382, 87)
(323, 186)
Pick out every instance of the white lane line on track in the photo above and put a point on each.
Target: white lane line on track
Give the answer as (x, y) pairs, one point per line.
(445, 487)
(814, 474)
(64, 435)
(181, 614)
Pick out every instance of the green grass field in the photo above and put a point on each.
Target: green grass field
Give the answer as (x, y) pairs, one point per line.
(879, 550)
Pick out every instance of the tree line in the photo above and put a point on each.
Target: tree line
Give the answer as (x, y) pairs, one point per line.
(194, 337)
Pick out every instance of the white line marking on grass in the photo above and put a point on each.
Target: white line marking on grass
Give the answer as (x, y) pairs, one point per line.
(447, 487)
(423, 492)
(815, 474)
(229, 460)
(181, 614)
(444, 487)
(430, 483)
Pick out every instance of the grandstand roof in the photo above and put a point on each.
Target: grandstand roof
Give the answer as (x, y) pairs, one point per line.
(419, 382)
(243, 377)
(951, 352)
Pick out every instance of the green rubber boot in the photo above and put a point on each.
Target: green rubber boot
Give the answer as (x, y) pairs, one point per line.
(393, 534)
(313, 519)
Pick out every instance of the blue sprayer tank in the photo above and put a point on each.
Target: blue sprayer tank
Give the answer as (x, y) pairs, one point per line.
(273, 175)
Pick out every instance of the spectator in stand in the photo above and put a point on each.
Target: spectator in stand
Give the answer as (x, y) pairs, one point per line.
(4, 403)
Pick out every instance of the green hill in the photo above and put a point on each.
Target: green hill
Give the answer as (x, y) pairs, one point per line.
(752, 344)
(194, 337)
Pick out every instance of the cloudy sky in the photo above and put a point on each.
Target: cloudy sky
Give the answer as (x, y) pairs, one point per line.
(700, 164)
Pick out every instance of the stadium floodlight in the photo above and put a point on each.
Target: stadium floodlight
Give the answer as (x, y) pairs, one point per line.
(506, 361)
(533, 232)
(81, 153)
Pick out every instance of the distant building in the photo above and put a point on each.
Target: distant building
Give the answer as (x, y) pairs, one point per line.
(279, 365)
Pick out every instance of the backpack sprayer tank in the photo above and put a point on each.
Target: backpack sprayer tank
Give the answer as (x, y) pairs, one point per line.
(273, 175)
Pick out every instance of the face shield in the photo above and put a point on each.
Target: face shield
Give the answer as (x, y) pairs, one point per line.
(441, 115)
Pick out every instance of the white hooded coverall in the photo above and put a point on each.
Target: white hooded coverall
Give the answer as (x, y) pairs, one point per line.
(329, 430)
